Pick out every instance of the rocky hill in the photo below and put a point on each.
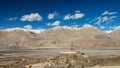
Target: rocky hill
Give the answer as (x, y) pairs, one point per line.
(86, 37)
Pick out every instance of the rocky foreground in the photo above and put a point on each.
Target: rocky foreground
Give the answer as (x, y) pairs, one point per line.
(104, 67)
(20, 60)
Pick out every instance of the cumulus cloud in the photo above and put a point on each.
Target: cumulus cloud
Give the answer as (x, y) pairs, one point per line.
(11, 19)
(67, 17)
(109, 13)
(31, 17)
(77, 15)
(28, 27)
(56, 23)
(52, 15)
(106, 17)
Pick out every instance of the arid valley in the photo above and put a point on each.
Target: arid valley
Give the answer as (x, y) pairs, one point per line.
(20, 58)
(59, 34)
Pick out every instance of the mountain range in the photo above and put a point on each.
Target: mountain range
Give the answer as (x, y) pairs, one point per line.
(85, 37)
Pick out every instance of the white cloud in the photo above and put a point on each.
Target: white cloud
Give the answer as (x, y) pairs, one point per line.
(102, 27)
(109, 13)
(56, 23)
(67, 17)
(112, 17)
(52, 15)
(77, 15)
(48, 24)
(114, 27)
(28, 27)
(11, 19)
(77, 11)
(106, 17)
(31, 17)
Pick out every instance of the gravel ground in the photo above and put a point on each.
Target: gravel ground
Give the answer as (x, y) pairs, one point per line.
(14, 58)
(104, 67)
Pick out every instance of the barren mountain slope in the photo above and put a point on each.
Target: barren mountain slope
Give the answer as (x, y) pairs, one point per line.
(87, 37)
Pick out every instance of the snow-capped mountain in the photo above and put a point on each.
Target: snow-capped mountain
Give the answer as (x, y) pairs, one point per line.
(31, 30)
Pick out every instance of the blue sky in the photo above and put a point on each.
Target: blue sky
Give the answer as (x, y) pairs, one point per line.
(45, 14)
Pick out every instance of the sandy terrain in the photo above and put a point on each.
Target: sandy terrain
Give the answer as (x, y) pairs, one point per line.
(104, 67)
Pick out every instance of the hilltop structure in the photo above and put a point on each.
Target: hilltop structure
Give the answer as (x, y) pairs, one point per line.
(67, 59)
(70, 51)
